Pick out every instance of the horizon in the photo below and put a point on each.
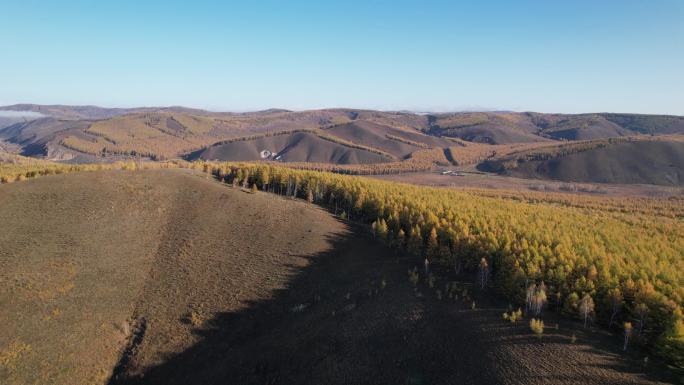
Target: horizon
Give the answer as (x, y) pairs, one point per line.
(617, 56)
(39, 115)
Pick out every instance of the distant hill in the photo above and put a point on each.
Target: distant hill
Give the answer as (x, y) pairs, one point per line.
(486, 127)
(512, 127)
(337, 136)
(92, 112)
(658, 161)
(294, 147)
(396, 141)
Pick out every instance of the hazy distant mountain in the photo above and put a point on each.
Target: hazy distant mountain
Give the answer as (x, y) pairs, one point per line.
(92, 112)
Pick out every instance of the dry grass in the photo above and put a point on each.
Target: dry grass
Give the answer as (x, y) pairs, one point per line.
(115, 245)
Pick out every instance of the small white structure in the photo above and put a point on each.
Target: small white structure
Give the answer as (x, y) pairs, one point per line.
(265, 154)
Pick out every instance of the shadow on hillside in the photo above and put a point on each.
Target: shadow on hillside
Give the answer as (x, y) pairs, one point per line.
(336, 324)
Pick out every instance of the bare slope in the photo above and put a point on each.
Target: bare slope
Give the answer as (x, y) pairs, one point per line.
(648, 162)
(397, 142)
(295, 147)
(512, 127)
(487, 127)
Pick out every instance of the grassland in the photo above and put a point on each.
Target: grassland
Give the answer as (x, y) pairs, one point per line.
(119, 247)
(15, 168)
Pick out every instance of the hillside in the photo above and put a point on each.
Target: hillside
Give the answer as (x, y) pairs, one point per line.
(116, 246)
(167, 277)
(511, 127)
(486, 127)
(294, 147)
(659, 162)
(396, 141)
(158, 135)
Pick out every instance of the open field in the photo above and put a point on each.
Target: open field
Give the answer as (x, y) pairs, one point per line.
(165, 276)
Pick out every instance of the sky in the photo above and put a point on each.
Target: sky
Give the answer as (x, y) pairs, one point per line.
(547, 56)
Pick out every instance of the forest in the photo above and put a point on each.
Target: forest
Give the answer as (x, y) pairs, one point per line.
(629, 264)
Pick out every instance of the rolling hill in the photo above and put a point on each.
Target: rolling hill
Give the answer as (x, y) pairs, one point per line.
(636, 161)
(290, 147)
(396, 141)
(510, 127)
(81, 134)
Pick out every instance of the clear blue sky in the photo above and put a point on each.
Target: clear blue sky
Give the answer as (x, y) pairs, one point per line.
(546, 55)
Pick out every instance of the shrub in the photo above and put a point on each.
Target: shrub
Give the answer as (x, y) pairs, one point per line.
(414, 277)
(537, 327)
(195, 318)
(431, 280)
(514, 316)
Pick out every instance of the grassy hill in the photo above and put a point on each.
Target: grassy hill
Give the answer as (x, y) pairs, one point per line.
(359, 142)
(300, 146)
(657, 161)
(486, 127)
(167, 277)
(115, 247)
(510, 127)
(396, 141)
